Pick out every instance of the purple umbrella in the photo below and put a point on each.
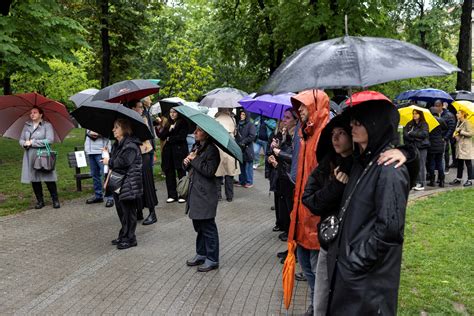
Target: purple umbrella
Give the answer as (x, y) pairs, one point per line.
(268, 105)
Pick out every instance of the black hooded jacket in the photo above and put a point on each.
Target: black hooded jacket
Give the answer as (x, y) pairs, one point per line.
(364, 261)
(127, 159)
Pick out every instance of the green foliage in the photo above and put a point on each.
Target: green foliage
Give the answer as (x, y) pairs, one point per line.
(61, 81)
(188, 79)
(33, 32)
(437, 275)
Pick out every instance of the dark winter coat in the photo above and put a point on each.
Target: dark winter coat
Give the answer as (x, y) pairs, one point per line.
(245, 138)
(436, 137)
(417, 134)
(323, 193)
(202, 196)
(364, 261)
(176, 148)
(127, 159)
(450, 121)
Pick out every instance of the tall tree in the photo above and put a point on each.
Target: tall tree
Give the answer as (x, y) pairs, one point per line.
(24, 48)
(464, 55)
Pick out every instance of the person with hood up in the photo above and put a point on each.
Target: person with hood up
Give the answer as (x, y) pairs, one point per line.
(126, 160)
(364, 260)
(313, 109)
(244, 138)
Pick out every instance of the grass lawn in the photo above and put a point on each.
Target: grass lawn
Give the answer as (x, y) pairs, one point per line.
(438, 259)
(16, 197)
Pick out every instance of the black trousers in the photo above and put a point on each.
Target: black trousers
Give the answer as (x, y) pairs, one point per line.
(38, 190)
(435, 162)
(461, 163)
(284, 194)
(207, 240)
(127, 213)
(171, 182)
(228, 182)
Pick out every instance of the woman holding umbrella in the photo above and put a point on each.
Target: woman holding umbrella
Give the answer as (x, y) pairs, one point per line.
(126, 160)
(174, 151)
(416, 132)
(201, 207)
(463, 134)
(35, 135)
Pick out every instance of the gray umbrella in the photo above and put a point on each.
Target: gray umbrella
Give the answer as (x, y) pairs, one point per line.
(223, 98)
(83, 96)
(463, 95)
(354, 62)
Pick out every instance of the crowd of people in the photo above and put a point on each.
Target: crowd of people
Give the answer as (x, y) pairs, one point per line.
(340, 184)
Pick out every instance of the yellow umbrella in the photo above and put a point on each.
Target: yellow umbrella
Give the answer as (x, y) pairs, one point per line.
(406, 115)
(289, 274)
(467, 107)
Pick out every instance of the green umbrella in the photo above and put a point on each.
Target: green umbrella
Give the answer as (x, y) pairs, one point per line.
(218, 133)
(155, 81)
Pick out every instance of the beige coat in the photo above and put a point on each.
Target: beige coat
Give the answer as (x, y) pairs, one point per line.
(464, 140)
(228, 166)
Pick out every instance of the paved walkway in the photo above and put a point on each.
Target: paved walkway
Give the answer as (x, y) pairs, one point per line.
(62, 262)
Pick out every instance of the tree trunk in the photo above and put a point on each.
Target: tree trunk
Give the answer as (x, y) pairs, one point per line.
(271, 46)
(464, 55)
(5, 10)
(104, 35)
(421, 5)
(7, 88)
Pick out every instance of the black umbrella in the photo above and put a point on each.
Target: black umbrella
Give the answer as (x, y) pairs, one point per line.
(463, 95)
(354, 62)
(127, 90)
(99, 116)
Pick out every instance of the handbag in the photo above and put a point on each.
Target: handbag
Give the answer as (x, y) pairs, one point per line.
(329, 228)
(115, 181)
(183, 186)
(45, 159)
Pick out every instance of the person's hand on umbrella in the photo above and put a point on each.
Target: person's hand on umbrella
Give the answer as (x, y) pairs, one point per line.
(276, 151)
(189, 158)
(341, 176)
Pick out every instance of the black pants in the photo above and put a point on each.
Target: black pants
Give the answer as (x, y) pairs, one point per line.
(127, 213)
(207, 240)
(38, 190)
(461, 163)
(435, 162)
(228, 182)
(171, 183)
(284, 193)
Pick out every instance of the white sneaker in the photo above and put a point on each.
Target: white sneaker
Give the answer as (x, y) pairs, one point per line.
(419, 187)
(180, 200)
(255, 167)
(170, 200)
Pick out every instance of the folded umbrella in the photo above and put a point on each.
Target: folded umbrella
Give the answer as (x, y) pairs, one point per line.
(15, 112)
(268, 105)
(406, 115)
(215, 130)
(467, 107)
(289, 274)
(223, 98)
(352, 61)
(83, 96)
(127, 90)
(99, 116)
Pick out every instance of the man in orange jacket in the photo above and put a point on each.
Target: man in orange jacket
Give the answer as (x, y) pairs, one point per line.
(313, 109)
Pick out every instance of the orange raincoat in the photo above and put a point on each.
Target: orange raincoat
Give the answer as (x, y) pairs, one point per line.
(303, 223)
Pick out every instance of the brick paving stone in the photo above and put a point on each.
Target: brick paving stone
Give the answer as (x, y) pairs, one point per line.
(56, 262)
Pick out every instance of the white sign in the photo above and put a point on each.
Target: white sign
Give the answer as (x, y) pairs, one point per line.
(81, 159)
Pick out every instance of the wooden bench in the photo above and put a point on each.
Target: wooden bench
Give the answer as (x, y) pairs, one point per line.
(71, 158)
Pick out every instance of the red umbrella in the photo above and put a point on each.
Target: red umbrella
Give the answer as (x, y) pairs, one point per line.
(15, 112)
(364, 96)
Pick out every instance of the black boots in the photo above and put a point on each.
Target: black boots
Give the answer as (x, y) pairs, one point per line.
(53, 190)
(441, 181)
(139, 215)
(38, 190)
(151, 219)
(431, 177)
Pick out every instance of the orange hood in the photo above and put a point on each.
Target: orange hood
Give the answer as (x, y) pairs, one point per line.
(303, 222)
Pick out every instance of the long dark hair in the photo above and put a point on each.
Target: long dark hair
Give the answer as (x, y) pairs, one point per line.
(421, 114)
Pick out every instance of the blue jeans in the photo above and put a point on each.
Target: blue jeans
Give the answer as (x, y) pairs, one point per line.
(308, 260)
(97, 171)
(257, 145)
(246, 173)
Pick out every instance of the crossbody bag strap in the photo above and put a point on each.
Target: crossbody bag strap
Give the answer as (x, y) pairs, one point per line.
(346, 203)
